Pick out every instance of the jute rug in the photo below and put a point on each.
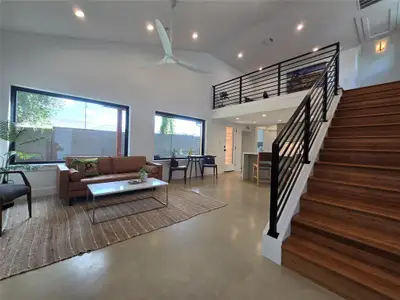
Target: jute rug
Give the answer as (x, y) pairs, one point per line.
(57, 232)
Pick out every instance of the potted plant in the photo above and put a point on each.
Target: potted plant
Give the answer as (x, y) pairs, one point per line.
(143, 175)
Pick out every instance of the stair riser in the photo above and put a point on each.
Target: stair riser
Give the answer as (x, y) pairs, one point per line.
(361, 158)
(366, 120)
(367, 111)
(336, 283)
(364, 131)
(373, 89)
(365, 254)
(363, 143)
(345, 216)
(386, 198)
(384, 178)
(378, 98)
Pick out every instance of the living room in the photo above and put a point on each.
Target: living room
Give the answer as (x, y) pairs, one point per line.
(104, 93)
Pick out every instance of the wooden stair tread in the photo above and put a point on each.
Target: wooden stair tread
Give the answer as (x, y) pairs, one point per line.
(366, 125)
(369, 186)
(366, 106)
(365, 137)
(371, 277)
(378, 239)
(369, 115)
(359, 206)
(362, 150)
(358, 166)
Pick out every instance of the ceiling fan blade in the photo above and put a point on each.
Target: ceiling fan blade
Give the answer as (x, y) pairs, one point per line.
(164, 38)
(191, 67)
(165, 61)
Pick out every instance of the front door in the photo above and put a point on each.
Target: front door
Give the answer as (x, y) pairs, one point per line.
(229, 149)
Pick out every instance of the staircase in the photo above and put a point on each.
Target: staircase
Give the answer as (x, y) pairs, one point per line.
(347, 234)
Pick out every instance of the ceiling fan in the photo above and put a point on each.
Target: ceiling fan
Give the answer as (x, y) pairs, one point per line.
(166, 43)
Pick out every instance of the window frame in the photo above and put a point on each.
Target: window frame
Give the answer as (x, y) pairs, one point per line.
(171, 115)
(13, 117)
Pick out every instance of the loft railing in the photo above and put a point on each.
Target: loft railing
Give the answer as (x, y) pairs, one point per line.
(291, 148)
(289, 76)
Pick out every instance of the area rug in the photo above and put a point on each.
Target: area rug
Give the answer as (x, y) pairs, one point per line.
(57, 232)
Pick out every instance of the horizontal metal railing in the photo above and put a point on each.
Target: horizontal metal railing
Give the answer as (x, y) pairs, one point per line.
(289, 76)
(290, 150)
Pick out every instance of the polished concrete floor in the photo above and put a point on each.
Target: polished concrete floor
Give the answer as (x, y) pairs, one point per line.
(212, 256)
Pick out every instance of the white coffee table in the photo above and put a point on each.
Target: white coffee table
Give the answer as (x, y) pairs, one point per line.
(119, 187)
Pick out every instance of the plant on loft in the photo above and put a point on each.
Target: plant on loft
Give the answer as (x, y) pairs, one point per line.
(13, 134)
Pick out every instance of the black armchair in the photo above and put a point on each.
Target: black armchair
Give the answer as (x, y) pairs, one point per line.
(10, 192)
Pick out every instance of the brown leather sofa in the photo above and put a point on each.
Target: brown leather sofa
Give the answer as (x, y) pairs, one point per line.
(110, 169)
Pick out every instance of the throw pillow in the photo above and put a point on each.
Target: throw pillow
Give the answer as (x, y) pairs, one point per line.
(74, 175)
(87, 167)
(151, 170)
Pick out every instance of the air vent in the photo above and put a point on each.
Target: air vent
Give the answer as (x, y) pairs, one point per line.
(365, 3)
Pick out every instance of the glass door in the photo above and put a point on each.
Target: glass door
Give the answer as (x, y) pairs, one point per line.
(229, 149)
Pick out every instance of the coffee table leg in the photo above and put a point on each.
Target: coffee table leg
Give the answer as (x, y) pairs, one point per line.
(166, 195)
(93, 209)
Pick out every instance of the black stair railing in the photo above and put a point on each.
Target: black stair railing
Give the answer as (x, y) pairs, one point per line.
(289, 76)
(291, 148)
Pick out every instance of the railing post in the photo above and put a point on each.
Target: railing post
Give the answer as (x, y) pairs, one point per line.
(213, 88)
(337, 69)
(279, 79)
(240, 90)
(307, 123)
(325, 98)
(273, 209)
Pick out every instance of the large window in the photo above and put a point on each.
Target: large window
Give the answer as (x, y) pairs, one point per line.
(177, 135)
(52, 126)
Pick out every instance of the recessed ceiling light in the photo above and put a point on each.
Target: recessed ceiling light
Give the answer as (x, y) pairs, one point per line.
(240, 55)
(300, 27)
(279, 120)
(195, 35)
(260, 68)
(315, 49)
(78, 12)
(237, 118)
(150, 27)
(254, 122)
(264, 115)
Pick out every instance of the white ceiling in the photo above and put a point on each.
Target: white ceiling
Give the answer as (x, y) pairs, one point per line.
(225, 27)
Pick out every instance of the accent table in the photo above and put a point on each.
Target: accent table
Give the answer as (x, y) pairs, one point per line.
(119, 187)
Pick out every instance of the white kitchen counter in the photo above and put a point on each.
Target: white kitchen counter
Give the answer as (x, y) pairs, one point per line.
(249, 158)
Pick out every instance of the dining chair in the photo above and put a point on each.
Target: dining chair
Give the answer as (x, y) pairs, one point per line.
(10, 191)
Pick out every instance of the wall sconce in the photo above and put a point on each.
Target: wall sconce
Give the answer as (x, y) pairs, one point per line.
(381, 46)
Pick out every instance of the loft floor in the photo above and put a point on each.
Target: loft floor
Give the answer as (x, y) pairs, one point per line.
(212, 256)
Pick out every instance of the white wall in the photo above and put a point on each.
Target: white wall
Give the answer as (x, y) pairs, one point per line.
(3, 111)
(249, 140)
(114, 73)
(216, 142)
(361, 66)
(269, 137)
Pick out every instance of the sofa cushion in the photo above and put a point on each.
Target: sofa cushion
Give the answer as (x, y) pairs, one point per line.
(86, 166)
(74, 175)
(104, 166)
(127, 164)
(111, 177)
